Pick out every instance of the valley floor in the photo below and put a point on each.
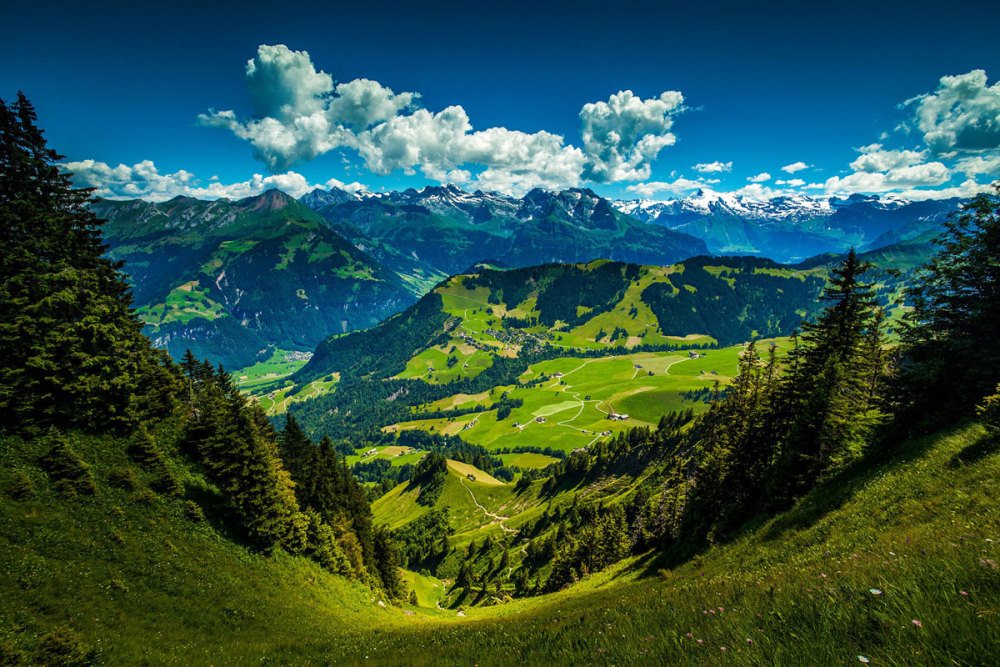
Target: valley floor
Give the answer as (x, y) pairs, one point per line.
(896, 563)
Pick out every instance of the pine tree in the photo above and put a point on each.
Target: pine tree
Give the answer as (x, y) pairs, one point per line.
(295, 448)
(948, 363)
(73, 352)
(828, 393)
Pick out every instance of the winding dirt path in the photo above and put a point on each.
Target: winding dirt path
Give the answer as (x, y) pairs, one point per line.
(496, 517)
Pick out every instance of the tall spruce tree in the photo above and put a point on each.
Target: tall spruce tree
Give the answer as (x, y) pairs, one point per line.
(295, 448)
(828, 395)
(949, 359)
(73, 352)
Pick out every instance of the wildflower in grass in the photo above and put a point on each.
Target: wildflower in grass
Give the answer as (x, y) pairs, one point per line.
(964, 593)
(722, 609)
(875, 591)
(749, 641)
(723, 649)
(701, 641)
(917, 623)
(863, 659)
(689, 635)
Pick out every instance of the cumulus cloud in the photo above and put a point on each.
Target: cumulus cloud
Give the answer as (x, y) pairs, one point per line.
(759, 178)
(622, 136)
(713, 167)
(874, 158)
(929, 174)
(300, 113)
(961, 115)
(968, 188)
(979, 165)
(676, 187)
(144, 180)
(794, 167)
(791, 182)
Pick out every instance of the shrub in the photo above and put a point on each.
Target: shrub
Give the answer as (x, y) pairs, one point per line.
(144, 497)
(63, 648)
(123, 478)
(193, 511)
(20, 487)
(166, 483)
(989, 414)
(144, 451)
(70, 473)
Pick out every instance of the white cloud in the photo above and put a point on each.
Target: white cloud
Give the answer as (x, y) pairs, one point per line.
(759, 178)
(353, 187)
(678, 186)
(962, 115)
(300, 114)
(713, 167)
(792, 182)
(968, 188)
(144, 180)
(622, 136)
(794, 167)
(974, 166)
(929, 174)
(874, 158)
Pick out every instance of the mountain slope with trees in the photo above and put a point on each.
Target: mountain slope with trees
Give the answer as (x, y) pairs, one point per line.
(151, 512)
(231, 279)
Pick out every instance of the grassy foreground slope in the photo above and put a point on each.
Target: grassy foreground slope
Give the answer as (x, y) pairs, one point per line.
(898, 563)
(141, 580)
(138, 580)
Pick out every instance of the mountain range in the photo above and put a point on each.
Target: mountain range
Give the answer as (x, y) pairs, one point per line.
(234, 280)
(449, 229)
(791, 228)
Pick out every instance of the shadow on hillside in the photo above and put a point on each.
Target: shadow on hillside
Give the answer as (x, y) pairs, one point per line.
(829, 496)
(975, 452)
(834, 492)
(218, 514)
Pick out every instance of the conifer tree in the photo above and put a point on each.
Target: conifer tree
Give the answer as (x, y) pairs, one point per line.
(828, 394)
(948, 361)
(73, 353)
(295, 448)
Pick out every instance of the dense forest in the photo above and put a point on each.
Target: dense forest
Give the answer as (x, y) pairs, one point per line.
(76, 361)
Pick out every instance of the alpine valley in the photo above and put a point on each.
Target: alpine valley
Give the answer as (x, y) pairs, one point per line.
(280, 418)
(236, 281)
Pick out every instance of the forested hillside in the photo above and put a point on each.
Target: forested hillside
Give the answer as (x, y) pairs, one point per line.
(234, 280)
(561, 464)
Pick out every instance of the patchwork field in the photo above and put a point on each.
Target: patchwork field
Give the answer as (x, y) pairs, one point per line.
(569, 402)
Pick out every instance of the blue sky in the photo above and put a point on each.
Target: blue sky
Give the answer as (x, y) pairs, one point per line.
(127, 93)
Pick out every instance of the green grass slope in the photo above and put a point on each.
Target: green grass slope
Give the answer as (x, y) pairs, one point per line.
(140, 581)
(477, 505)
(897, 562)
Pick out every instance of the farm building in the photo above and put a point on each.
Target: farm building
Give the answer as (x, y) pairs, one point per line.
(618, 416)
(540, 420)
